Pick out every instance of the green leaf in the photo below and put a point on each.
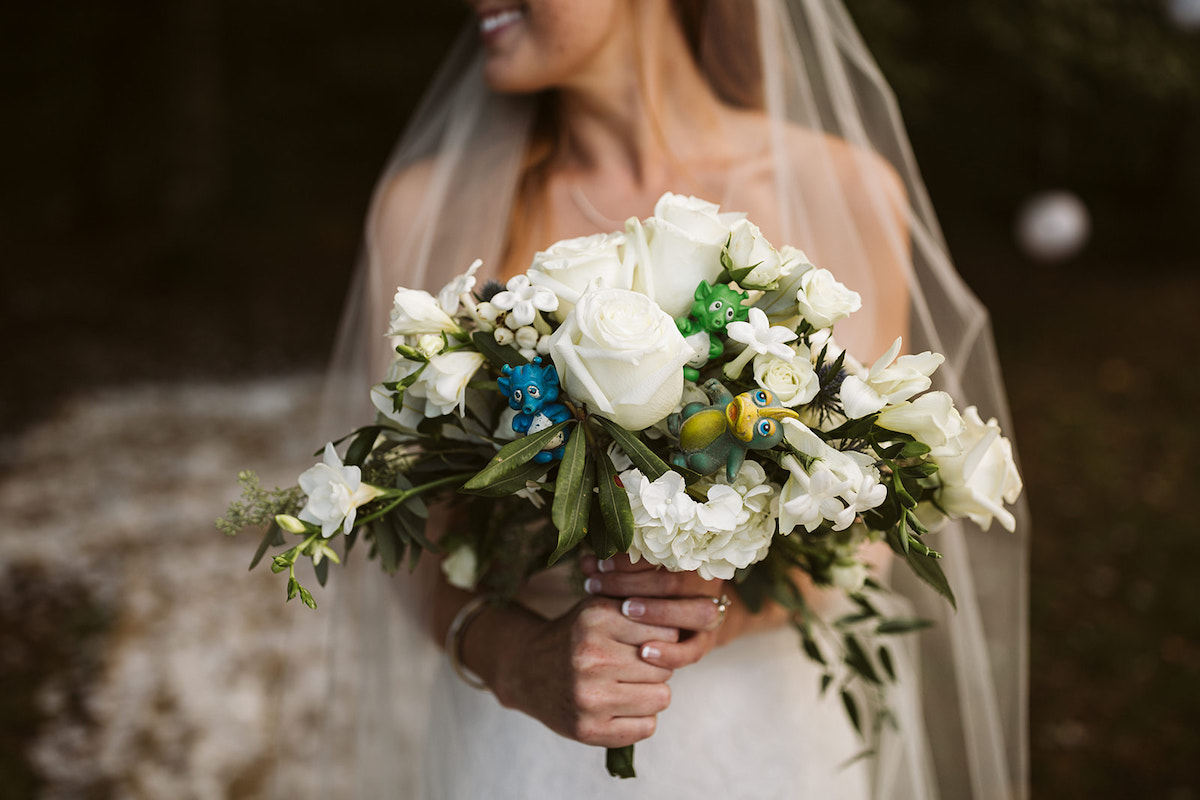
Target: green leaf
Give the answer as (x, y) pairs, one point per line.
(322, 571)
(307, 598)
(512, 456)
(273, 537)
(642, 456)
(902, 625)
(530, 471)
(885, 658)
(497, 354)
(857, 659)
(929, 570)
(573, 495)
(852, 710)
(826, 679)
(619, 761)
(810, 647)
(361, 447)
(616, 534)
(388, 545)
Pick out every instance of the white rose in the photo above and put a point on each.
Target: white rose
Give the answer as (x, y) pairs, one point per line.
(978, 473)
(823, 301)
(749, 248)
(445, 381)
(622, 355)
(415, 312)
(460, 568)
(793, 382)
(568, 267)
(887, 383)
(334, 494)
(780, 303)
(676, 249)
(931, 418)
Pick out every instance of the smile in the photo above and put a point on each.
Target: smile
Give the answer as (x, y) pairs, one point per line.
(491, 23)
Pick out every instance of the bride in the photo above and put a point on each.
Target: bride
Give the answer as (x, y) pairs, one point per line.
(562, 118)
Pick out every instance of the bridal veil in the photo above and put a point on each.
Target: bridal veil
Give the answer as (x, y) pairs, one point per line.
(802, 63)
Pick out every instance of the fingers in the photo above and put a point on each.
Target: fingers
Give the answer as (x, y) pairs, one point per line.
(618, 563)
(689, 614)
(676, 655)
(652, 583)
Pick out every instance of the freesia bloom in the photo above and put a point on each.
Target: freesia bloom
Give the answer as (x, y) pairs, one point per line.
(622, 355)
(888, 383)
(836, 487)
(449, 296)
(780, 303)
(978, 473)
(415, 312)
(445, 381)
(334, 493)
(931, 418)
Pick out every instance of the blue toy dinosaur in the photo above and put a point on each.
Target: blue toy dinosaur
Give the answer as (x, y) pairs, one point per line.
(532, 390)
(716, 435)
(713, 307)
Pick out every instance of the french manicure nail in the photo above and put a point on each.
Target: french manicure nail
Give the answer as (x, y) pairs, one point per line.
(591, 585)
(633, 608)
(607, 565)
(649, 652)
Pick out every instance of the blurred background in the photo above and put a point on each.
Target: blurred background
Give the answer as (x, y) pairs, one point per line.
(184, 185)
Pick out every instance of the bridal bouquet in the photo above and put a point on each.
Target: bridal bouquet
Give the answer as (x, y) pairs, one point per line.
(674, 392)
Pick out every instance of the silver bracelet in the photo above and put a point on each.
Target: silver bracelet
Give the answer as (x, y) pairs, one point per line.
(454, 639)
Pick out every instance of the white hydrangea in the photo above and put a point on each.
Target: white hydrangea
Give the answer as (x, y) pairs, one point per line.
(730, 530)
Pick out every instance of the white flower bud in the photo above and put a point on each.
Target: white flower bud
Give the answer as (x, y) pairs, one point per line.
(504, 336)
(488, 313)
(527, 338)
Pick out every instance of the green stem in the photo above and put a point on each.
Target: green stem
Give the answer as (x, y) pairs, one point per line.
(403, 496)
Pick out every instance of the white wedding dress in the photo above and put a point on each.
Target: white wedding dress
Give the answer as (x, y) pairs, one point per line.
(747, 721)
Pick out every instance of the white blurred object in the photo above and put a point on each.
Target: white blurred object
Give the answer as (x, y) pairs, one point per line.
(1053, 226)
(1184, 13)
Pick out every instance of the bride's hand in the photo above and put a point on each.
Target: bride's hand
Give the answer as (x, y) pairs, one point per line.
(581, 674)
(680, 600)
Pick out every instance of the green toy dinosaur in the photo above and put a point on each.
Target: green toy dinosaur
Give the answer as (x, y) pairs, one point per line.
(720, 434)
(713, 307)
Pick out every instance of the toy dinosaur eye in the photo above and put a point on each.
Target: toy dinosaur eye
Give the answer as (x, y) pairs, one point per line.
(518, 395)
(762, 397)
(730, 313)
(716, 306)
(533, 392)
(766, 427)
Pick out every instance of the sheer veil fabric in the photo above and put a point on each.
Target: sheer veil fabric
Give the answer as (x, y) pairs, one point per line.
(836, 178)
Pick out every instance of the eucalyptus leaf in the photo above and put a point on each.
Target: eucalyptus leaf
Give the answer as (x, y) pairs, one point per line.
(530, 471)
(929, 570)
(857, 659)
(902, 625)
(322, 571)
(360, 448)
(512, 456)
(272, 538)
(571, 516)
(387, 544)
(642, 456)
(852, 710)
(885, 659)
(616, 534)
